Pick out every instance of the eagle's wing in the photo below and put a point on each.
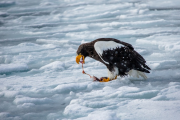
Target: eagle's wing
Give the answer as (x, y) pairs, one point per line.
(121, 55)
(102, 46)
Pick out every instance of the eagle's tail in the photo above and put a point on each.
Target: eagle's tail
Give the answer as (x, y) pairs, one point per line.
(136, 73)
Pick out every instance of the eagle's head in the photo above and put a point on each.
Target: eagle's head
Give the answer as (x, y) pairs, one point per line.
(82, 53)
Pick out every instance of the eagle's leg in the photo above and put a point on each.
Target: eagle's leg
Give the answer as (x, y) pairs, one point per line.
(112, 75)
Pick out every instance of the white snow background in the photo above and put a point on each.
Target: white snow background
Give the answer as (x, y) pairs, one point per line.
(40, 80)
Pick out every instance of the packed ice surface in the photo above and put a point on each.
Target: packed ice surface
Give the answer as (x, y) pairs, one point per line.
(39, 78)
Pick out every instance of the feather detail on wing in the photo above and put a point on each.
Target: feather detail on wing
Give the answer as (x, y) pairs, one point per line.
(140, 60)
(101, 46)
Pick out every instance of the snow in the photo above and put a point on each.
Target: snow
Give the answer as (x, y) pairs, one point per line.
(39, 78)
(9, 68)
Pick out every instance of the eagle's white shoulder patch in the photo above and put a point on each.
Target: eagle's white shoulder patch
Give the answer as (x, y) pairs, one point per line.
(100, 46)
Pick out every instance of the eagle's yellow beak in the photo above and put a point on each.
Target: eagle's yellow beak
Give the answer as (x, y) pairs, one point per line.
(80, 58)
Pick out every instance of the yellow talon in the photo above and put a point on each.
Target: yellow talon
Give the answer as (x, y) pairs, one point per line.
(105, 80)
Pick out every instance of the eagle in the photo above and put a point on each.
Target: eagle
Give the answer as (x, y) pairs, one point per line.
(119, 57)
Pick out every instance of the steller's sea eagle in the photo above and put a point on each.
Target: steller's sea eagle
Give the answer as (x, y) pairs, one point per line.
(119, 57)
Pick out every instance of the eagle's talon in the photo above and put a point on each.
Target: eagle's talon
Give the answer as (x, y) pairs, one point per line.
(104, 79)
